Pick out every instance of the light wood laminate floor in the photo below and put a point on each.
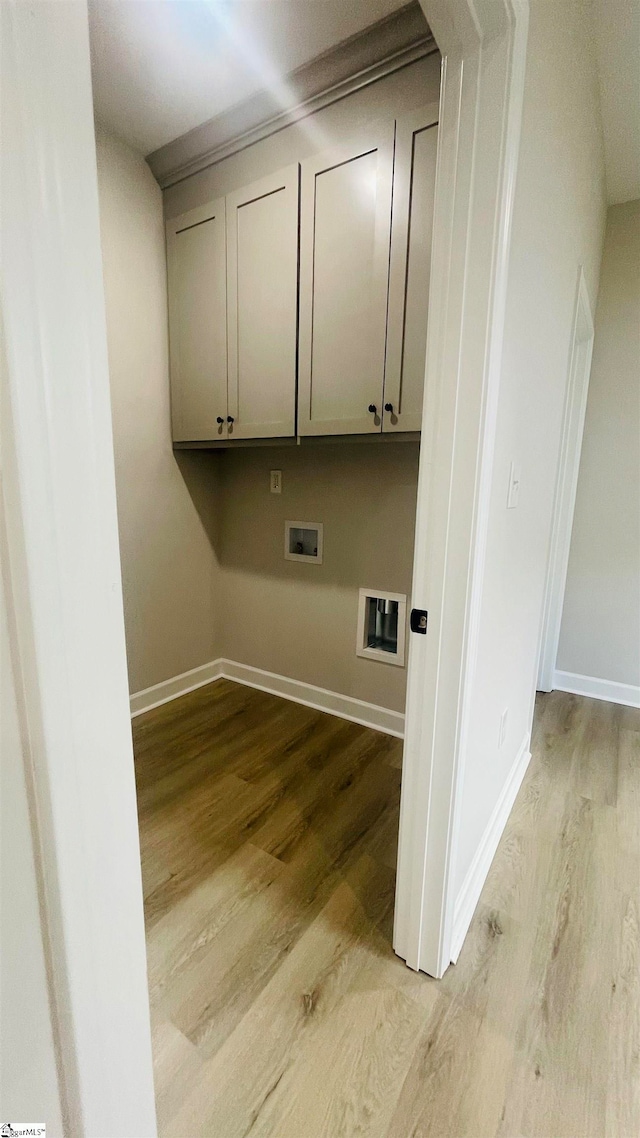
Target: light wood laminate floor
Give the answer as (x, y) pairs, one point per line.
(279, 1010)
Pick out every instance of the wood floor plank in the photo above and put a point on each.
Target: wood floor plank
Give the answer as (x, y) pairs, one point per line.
(568, 1015)
(177, 1065)
(184, 935)
(216, 991)
(623, 1069)
(303, 991)
(269, 839)
(596, 753)
(346, 1078)
(307, 800)
(457, 1083)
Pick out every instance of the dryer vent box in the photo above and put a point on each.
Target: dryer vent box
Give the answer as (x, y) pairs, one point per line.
(381, 626)
(303, 542)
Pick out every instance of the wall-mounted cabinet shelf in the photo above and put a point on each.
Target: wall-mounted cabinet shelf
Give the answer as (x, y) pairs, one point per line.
(302, 441)
(245, 363)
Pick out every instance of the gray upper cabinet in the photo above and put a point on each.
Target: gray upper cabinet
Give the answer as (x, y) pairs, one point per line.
(345, 223)
(359, 222)
(196, 266)
(413, 191)
(262, 290)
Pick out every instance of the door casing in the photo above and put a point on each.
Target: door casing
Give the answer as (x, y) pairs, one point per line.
(483, 46)
(60, 464)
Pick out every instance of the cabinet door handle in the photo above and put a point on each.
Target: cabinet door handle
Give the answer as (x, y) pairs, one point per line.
(230, 419)
(373, 408)
(388, 406)
(220, 420)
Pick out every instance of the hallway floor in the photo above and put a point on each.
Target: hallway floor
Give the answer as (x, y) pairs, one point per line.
(279, 1010)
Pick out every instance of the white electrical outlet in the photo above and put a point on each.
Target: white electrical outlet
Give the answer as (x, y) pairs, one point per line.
(502, 730)
(276, 482)
(514, 487)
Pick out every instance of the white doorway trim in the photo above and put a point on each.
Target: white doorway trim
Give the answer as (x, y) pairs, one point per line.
(62, 532)
(65, 596)
(483, 45)
(575, 408)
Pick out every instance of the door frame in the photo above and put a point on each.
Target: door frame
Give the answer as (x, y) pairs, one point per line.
(575, 409)
(58, 464)
(483, 46)
(65, 592)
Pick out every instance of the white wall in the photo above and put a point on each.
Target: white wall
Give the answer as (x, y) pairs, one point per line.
(600, 634)
(66, 615)
(558, 224)
(28, 1072)
(166, 504)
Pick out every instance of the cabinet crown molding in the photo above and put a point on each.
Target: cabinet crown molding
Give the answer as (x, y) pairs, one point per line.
(392, 43)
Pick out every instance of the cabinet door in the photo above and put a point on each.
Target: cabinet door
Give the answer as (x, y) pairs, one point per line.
(344, 269)
(197, 278)
(262, 301)
(413, 189)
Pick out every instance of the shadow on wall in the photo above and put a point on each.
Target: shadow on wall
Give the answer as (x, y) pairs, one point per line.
(200, 470)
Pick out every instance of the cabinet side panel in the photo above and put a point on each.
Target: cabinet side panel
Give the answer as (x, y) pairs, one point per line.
(418, 270)
(413, 200)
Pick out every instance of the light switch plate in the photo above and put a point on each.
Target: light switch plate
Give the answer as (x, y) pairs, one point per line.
(514, 486)
(502, 729)
(275, 484)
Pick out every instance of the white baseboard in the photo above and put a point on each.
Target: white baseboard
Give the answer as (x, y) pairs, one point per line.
(343, 706)
(154, 696)
(628, 694)
(469, 895)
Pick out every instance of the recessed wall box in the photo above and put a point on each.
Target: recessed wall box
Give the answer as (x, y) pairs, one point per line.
(382, 618)
(303, 542)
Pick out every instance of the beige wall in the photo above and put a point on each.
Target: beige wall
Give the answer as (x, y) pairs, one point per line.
(193, 593)
(292, 619)
(299, 620)
(600, 634)
(558, 225)
(166, 504)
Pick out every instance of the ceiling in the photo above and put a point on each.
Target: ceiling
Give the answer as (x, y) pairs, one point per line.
(161, 67)
(617, 25)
